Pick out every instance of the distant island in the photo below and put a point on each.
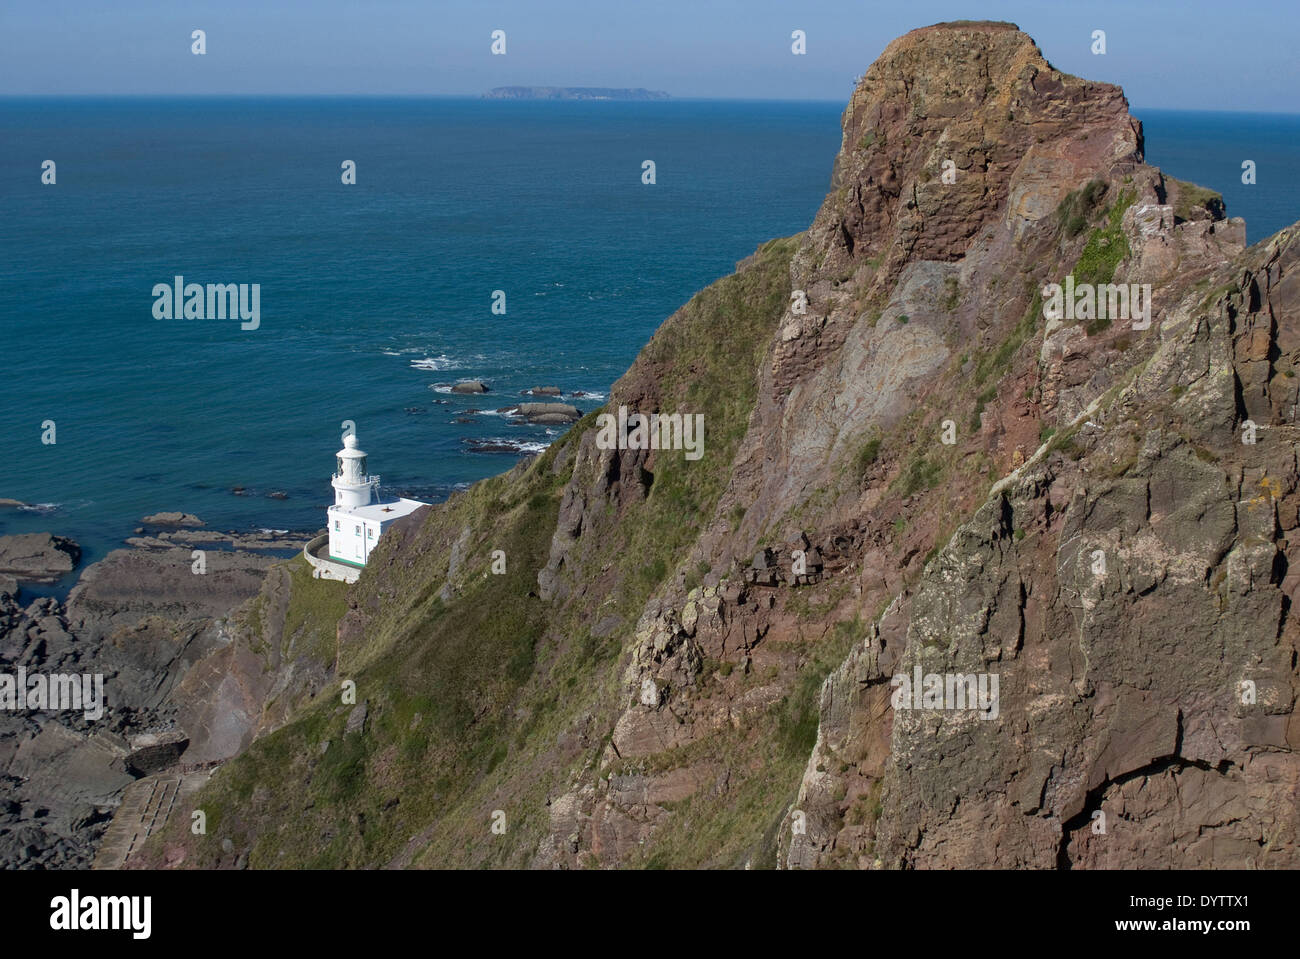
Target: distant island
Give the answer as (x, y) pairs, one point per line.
(574, 93)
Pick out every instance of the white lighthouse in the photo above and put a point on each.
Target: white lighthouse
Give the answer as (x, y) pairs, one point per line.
(360, 514)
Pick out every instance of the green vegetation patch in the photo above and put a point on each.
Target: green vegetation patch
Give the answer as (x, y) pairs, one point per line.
(710, 353)
(1074, 213)
(1107, 246)
(866, 457)
(800, 712)
(315, 608)
(921, 473)
(1189, 198)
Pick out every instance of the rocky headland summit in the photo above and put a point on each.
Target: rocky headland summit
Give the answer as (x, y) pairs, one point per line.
(914, 469)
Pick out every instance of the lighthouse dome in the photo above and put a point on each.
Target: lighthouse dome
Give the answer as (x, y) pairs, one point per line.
(350, 451)
(352, 483)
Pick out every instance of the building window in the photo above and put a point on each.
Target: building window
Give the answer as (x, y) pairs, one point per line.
(337, 527)
(358, 530)
(370, 533)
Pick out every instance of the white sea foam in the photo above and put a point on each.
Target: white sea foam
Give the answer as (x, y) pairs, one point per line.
(435, 363)
(510, 445)
(39, 507)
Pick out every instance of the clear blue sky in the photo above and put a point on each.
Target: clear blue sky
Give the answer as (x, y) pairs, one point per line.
(1182, 54)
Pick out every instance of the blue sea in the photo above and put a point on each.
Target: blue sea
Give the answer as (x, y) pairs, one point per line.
(1209, 149)
(371, 294)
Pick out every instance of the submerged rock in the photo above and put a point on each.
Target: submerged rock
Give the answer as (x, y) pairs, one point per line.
(172, 519)
(548, 413)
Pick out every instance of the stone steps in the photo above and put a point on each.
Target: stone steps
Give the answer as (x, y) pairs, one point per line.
(146, 806)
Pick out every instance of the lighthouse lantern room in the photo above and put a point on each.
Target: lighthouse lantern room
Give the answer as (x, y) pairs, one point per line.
(360, 514)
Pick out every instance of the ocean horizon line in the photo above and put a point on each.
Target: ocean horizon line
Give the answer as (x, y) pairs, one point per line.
(672, 98)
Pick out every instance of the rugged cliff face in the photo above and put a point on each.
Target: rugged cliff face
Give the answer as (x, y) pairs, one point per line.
(182, 670)
(911, 461)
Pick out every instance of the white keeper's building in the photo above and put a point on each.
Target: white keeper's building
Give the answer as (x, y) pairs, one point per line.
(360, 514)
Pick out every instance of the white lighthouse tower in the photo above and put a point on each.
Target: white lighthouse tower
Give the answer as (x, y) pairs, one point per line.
(353, 486)
(360, 514)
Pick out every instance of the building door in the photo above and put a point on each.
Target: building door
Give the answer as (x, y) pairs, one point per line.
(359, 544)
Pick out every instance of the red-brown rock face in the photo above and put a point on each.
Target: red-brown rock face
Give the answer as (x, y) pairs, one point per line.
(971, 175)
(1128, 581)
(981, 103)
